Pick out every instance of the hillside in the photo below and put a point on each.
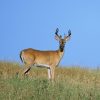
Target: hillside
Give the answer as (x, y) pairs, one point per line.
(71, 83)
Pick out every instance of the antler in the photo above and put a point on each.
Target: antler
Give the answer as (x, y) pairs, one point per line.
(69, 32)
(68, 36)
(57, 37)
(57, 30)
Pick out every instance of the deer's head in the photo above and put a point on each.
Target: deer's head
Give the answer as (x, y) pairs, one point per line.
(62, 41)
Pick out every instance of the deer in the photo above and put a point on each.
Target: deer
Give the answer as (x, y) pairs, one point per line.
(48, 59)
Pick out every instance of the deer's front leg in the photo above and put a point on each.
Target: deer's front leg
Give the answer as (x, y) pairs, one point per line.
(52, 72)
(49, 73)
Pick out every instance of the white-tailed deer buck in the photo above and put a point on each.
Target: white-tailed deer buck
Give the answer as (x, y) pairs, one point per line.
(49, 59)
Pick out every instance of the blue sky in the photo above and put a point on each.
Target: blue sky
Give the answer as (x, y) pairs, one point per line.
(32, 23)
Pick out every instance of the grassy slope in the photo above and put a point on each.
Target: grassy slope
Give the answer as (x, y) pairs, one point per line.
(71, 83)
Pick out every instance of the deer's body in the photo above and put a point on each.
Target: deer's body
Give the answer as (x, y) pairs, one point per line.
(48, 59)
(36, 57)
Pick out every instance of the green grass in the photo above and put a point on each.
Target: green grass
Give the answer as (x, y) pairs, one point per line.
(71, 83)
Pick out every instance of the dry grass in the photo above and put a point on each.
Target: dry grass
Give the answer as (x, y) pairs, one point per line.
(70, 83)
(73, 74)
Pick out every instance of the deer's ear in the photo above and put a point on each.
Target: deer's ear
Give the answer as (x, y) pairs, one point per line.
(57, 37)
(66, 38)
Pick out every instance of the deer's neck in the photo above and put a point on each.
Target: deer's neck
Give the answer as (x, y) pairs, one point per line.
(61, 53)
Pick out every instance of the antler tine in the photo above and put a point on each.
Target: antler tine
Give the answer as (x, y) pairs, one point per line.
(57, 30)
(69, 32)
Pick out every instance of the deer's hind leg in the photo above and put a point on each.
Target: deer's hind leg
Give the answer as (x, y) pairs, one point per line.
(27, 69)
(29, 62)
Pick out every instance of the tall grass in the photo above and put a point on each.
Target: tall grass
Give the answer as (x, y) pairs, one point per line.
(71, 83)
